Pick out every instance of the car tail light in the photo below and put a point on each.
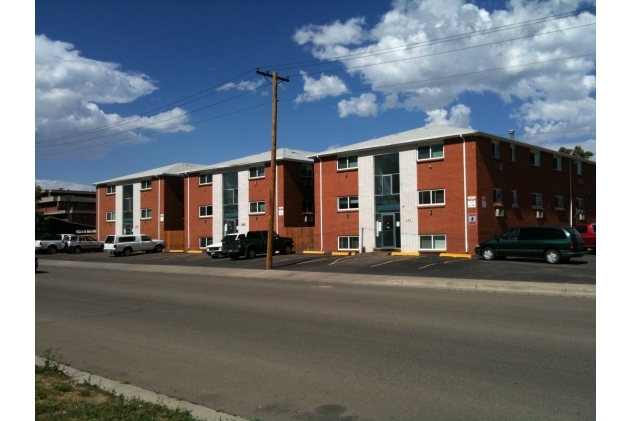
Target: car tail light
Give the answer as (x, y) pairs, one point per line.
(238, 243)
(572, 245)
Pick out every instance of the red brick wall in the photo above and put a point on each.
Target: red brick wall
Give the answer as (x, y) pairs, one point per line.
(258, 190)
(149, 200)
(106, 203)
(199, 195)
(334, 184)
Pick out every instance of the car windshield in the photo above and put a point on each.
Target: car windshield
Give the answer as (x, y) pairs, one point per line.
(109, 239)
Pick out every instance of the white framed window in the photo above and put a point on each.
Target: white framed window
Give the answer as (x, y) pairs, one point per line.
(435, 151)
(514, 194)
(431, 197)
(145, 213)
(110, 216)
(257, 207)
(559, 202)
(347, 162)
(580, 204)
(205, 211)
(110, 190)
(348, 242)
(257, 172)
(433, 242)
(307, 170)
(535, 158)
(145, 185)
(578, 168)
(205, 179)
(513, 153)
(348, 203)
(497, 196)
(557, 163)
(495, 149)
(205, 242)
(537, 200)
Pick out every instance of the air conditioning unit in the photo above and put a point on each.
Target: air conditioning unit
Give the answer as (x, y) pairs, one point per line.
(499, 212)
(539, 214)
(581, 216)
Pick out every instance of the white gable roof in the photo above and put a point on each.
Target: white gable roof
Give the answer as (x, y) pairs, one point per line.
(174, 169)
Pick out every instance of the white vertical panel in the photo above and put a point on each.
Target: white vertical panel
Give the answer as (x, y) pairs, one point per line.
(217, 207)
(408, 192)
(136, 203)
(118, 229)
(244, 201)
(366, 176)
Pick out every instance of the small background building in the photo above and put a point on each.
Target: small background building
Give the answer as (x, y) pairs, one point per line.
(77, 206)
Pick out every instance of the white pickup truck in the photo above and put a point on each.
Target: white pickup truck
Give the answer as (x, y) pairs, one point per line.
(52, 246)
(127, 244)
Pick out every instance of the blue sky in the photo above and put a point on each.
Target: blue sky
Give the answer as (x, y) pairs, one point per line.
(125, 86)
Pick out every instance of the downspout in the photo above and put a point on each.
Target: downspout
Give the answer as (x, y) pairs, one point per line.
(159, 196)
(98, 221)
(466, 222)
(321, 219)
(571, 200)
(188, 212)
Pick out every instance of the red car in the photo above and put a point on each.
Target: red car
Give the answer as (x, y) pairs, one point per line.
(588, 233)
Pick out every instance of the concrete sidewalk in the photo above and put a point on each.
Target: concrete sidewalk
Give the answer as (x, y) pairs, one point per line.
(515, 287)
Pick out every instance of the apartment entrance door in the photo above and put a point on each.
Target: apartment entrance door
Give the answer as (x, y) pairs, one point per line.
(230, 226)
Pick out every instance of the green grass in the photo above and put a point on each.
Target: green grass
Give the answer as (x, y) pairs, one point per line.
(58, 397)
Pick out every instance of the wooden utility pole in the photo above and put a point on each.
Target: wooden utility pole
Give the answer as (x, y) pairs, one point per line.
(272, 189)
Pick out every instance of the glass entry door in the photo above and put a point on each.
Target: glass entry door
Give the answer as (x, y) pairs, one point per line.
(127, 228)
(387, 230)
(230, 226)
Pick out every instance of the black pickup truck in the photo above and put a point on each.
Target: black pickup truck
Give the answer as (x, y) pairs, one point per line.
(256, 243)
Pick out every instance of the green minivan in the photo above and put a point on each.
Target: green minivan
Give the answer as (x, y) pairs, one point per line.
(555, 244)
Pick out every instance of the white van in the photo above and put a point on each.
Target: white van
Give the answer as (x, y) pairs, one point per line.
(127, 244)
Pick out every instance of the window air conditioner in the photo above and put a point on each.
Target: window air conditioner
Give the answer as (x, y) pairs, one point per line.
(581, 216)
(539, 214)
(499, 212)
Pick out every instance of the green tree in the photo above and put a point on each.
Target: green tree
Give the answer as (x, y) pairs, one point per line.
(577, 151)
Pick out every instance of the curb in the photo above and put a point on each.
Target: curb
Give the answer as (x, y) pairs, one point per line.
(130, 391)
(406, 253)
(463, 256)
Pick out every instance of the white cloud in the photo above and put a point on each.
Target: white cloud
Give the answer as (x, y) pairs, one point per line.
(363, 106)
(68, 89)
(244, 85)
(318, 89)
(539, 92)
(460, 117)
(68, 185)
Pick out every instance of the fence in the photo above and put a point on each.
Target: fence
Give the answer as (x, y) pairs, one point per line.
(303, 237)
(174, 240)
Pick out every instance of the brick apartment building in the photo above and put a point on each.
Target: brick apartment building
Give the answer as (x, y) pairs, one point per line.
(76, 206)
(443, 189)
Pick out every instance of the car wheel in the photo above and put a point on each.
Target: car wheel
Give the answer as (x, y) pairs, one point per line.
(553, 256)
(127, 252)
(51, 249)
(76, 250)
(158, 248)
(488, 253)
(287, 249)
(251, 253)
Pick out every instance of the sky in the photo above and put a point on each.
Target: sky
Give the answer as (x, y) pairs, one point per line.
(126, 86)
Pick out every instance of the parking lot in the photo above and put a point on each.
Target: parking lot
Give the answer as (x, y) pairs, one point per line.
(576, 271)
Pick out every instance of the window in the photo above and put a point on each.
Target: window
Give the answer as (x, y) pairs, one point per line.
(557, 163)
(431, 152)
(257, 172)
(513, 153)
(145, 185)
(580, 204)
(205, 178)
(495, 149)
(307, 170)
(145, 213)
(348, 243)
(497, 196)
(386, 185)
(346, 203)
(433, 242)
(431, 197)
(578, 168)
(206, 210)
(535, 158)
(307, 206)
(257, 207)
(110, 190)
(110, 216)
(514, 194)
(205, 242)
(537, 200)
(347, 162)
(558, 202)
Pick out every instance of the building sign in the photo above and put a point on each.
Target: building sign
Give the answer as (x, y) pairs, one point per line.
(85, 232)
(473, 218)
(281, 211)
(471, 202)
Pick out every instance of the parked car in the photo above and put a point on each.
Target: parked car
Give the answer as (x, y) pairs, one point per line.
(255, 242)
(555, 244)
(36, 264)
(588, 234)
(52, 246)
(78, 243)
(127, 244)
(215, 250)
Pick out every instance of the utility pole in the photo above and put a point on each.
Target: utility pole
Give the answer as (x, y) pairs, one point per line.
(272, 189)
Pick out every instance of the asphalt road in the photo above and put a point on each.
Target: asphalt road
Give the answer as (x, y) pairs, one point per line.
(287, 350)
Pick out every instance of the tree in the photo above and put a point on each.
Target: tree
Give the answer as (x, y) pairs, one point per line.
(577, 151)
